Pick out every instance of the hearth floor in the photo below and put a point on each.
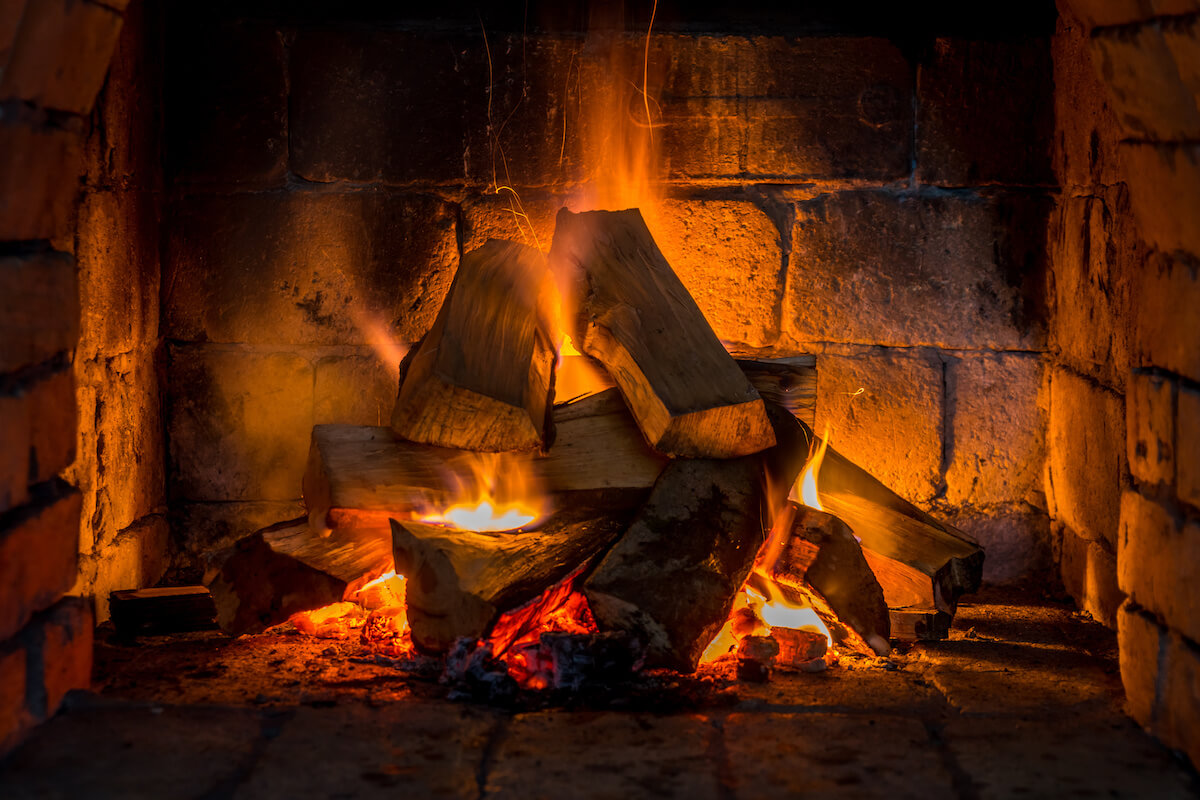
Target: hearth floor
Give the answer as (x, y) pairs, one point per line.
(1023, 700)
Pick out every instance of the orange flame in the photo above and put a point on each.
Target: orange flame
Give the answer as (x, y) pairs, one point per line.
(807, 483)
(500, 495)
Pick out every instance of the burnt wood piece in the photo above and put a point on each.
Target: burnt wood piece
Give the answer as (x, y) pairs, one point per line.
(349, 553)
(166, 609)
(789, 383)
(597, 453)
(813, 550)
(459, 582)
(254, 587)
(920, 624)
(636, 318)
(482, 378)
(672, 578)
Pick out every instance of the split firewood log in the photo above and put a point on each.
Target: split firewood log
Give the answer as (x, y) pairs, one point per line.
(790, 383)
(482, 378)
(920, 624)
(352, 551)
(459, 582)
(636, 318)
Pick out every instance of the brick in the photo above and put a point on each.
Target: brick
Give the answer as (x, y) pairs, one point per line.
(1139, 639)
(827, 108)
(14, 455)
(1120, 12)
(985, 113)
(1086, 128)
(136, 558)
(960, 273)
(355, 390)
(362, 113)
(893, 427)
(39, 317)
(1179, 709)
(1187, 437)
(527, 217)
(1164, 181)
(39, 168)
(1158, 562)
(1165, 321)
(299, 268)
(997, 424)
(15, 718)
(117, 250)
(239, 423)
(121, 449)
(226, 117)
(728, 255)
(66, 650)
(1086, 445)
(37, 427)
(200, 529)
(61, 54)
(1097, 256)
(704, 120)
(1089, 574)
(1016, 539)
(38, 553)
(1151, 97)
(1150, 428)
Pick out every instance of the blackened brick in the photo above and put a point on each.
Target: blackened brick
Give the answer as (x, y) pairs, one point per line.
(39, 170)
(38, 553)
(39, 308)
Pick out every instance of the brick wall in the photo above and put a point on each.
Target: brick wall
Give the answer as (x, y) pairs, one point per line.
(1125, 338)
(880, 202)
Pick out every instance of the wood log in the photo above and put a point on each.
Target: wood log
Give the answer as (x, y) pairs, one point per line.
(919, 624)
(459, 582)
(812, 550)
(165, 609)
(482, 378)
(359, 547)
(598, 458)
(686, 392)
(672, 578)
(790, 383)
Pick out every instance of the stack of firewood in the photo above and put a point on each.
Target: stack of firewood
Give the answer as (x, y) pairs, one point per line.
(661, 490)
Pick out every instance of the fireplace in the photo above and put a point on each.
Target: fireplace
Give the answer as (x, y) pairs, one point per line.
(221, 226)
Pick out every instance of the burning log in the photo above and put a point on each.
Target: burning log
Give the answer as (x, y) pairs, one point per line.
(351, 552)
(672, 578)
(460, 581)
(790, 383)
(482, 378)
(636, 318)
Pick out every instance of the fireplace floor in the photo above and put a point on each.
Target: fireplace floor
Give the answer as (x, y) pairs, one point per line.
(1023, 699)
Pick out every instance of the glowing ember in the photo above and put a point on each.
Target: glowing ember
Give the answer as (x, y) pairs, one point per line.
(502, 496)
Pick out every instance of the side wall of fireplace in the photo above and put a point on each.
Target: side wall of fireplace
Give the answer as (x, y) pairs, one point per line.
(1124, 442)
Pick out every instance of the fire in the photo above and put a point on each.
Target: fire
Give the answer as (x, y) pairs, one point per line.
(502, 496)
(807, 483)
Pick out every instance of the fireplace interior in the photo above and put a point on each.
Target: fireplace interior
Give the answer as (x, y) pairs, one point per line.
(255, 259)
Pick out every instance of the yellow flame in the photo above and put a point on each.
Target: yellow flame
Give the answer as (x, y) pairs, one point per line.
(500, 494)
(808, 479)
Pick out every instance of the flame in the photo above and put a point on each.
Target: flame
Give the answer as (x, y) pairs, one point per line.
(501, 495)
(807, 483)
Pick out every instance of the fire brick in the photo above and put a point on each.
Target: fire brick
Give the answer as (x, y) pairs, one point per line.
(527, 218)
(1087, 154)
(986, 114)
(1139, 639)
(51, 426)
(356, 390)
(1158, 562)
(1187, 435)
(1169, 295)
(38, 172)
(14, 711)
(1150, 423)
(1119, 12)
(66, 650)
(240, 423)
(61, 54)
(41, 312)
(38, 553)
(1086, 444)
(1149, 92)
(213, 526)
(1164, 180)
(1015, 536)
(301, 268)
(1179, 713)
(1089, 574)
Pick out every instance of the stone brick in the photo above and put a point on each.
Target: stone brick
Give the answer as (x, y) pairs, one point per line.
(39, 315)
(1158, 562)
(38, 553)
(354, 390)
(1140, 640)
(14, 455)
(1120, 12)
(1164, 181)
(527, 218)
(15, 718)
(117, 250)
(226, 117)
(66, 650)
(1086, 129)
(61, 54)
(728, 255)
(985, 113)
(239, 423)
(997, 428)
(827, 108)
(1086, 444)
(121, 449)
(1179, 709)
(884, 410)
(1097, 255)
(1016, 539)
(200, 529)
(299, 268)
(37, 426)
(136, 558)
(377, 105)
(1150, 428)
(39, 168)
(1166, 324)
(704, 120)
(874, 267)
(1151, 97)
(1089, 574)
(1187, 454)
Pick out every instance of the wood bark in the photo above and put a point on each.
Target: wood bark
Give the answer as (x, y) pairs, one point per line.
(482, 378)
(459, 582)
(636, 318)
